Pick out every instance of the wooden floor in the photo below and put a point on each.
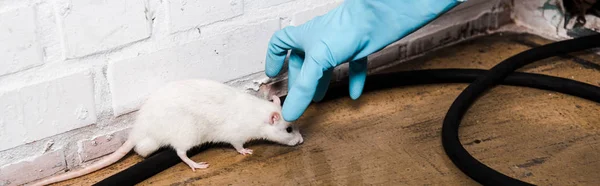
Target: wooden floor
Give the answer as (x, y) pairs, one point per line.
(393, 137)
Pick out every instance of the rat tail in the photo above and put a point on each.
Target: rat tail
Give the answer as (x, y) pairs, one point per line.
(110, 159)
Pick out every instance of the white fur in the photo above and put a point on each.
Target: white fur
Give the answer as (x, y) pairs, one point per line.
(188, 113)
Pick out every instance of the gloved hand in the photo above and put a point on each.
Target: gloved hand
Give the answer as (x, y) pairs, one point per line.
(349, 32)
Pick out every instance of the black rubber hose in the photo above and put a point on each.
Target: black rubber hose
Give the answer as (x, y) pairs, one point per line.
(450, 141)
(168, 158)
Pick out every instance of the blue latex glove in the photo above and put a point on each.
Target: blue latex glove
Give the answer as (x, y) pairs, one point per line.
(349, 32)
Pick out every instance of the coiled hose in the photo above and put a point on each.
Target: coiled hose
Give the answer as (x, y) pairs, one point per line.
(480, 81)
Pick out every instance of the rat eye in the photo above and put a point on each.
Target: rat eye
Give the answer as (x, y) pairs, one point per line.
(289, 129)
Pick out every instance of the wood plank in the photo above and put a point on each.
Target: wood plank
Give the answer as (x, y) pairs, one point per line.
(393, 137)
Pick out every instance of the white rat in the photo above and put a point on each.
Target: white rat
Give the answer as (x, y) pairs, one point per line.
(188, 113)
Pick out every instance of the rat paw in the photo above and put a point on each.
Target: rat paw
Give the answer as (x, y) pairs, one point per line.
(245, 151)
(199, 165)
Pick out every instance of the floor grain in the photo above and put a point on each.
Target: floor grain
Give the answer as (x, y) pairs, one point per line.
(393, 137)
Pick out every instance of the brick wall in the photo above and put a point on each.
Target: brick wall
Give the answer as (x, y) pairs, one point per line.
(73, 73)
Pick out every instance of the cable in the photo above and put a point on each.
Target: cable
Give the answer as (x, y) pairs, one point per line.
(480, 80)
(450, 141)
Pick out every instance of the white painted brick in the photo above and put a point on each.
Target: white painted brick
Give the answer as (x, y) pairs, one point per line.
(102, 145)
(19, 48)
(269, 3)
(304, 16)
(186, 14)
(45, 109)
(222, 57)
(92, 26)
(27, 171)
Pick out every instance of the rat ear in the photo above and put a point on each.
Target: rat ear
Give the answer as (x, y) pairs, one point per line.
(274, 117)
(276, 100)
